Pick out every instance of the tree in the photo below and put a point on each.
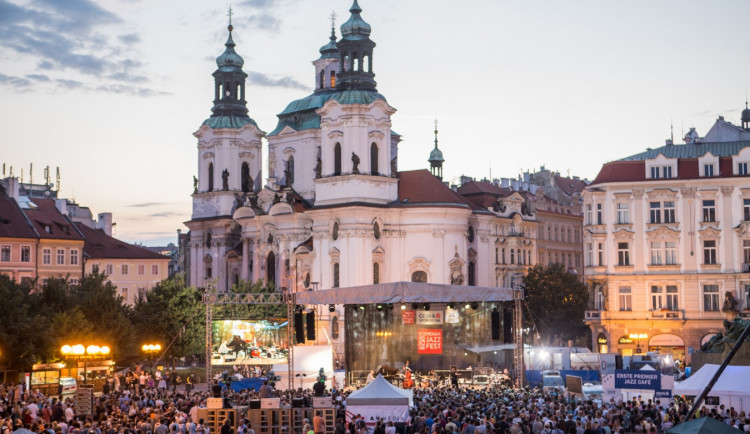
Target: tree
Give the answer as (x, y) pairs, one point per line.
(172, 311)
(19, 327)
(556, 301)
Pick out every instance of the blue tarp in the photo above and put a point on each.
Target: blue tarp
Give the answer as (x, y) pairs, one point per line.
(245, 384)
(534, 376)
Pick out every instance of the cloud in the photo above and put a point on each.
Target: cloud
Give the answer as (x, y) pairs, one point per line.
(261, 79)
(261, 14)
(66, 40)
(262, 21)
(146, 204)
(19, 83)
(166, 214)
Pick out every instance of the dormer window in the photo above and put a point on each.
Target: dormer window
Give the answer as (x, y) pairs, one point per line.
(708, 170)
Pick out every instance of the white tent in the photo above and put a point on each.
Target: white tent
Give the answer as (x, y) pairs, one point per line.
(379, 400)
(732, 388)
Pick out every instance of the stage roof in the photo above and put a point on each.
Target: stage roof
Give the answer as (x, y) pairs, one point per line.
(405, 292)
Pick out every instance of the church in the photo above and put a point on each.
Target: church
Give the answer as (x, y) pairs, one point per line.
(335, 211)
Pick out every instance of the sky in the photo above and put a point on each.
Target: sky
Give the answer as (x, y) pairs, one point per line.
(111, 91)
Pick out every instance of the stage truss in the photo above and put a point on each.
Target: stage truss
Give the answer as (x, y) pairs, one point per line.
(395, 292)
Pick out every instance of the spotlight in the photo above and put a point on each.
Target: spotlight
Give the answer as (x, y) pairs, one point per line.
(390, 306)
(331, 308)
(451, 305)
(474, 305)
(415, 306)
(467, 306)
(426, 306)
(379, 307)
(355, 306)
(362, 307)
(403, 306)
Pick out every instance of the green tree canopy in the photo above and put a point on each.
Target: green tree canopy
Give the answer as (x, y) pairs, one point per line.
(557, 300)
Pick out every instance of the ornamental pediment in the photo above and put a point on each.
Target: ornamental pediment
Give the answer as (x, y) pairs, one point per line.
(281, 208)
(247, 155)
(335, 254)
(208, 155)
(662, 193)
(622, 234)
(335, 135)
(379, 135)
(287, 130)
(743, 229)
(663, 232)
(710, 232)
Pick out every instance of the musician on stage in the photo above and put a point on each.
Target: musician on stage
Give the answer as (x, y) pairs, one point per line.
(408, 382)
(454, 377)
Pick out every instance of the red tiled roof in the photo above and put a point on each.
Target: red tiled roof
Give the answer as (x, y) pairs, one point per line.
(569, 185)
(49, 222)
(474, 187)
(13, 224)
(631, 171)
(422, 187)
(99, 245)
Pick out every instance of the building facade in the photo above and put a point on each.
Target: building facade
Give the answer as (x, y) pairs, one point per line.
(667, 243)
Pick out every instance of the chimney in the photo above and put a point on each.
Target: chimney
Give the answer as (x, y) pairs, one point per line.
(104, 222)
(62, 206)
(505, 182)
(12, 187)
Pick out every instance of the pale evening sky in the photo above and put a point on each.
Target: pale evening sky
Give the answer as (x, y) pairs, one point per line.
(112, 90)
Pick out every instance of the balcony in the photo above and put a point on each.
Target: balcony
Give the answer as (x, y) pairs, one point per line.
(593, 315)
(664, 314)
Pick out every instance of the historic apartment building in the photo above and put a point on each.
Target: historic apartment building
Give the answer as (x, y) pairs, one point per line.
(667, 242)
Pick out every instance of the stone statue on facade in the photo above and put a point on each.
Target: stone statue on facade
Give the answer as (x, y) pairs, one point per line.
(355, 163)
(225, 180)
(195, 185)
(318, 168)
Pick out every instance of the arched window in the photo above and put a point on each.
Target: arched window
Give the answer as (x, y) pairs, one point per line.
(336, 275)
(306, 282)
(472, 273)
(289, 171)
(355, 63)
(271, 269)
(374, 159)
(419, 276)
(375, 272)
(337, 159)
(322, 81)
(247, 180)
(333, 78)
(210, 176)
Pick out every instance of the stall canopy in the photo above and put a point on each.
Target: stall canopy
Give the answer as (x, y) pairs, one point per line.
(380, 392)
(731, 388)
(405, 292)
(704, 425)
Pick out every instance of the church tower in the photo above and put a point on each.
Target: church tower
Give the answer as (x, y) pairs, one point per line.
(229, 172)
(436, 158)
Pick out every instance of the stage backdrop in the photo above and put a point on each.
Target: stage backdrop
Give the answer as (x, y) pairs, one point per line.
(434, 339)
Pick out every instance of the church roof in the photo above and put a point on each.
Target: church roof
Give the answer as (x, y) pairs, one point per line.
(304, 109)
(228, 121)
(422, 188)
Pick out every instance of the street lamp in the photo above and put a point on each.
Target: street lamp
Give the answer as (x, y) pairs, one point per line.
(150, 349)
(638, 337)
(79, 351)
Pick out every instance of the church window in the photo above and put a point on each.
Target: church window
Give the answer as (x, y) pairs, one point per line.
(376, 230)
(289, 172)
(210, 176)
(375, 273)
(374, 159)
(336, 275)
(345, 63)
(322, 82)
(470, 234)
(335, 231)
(472, 273)
(333, 78)
(355, 63)
(271, 269)
(337, 159)
(208, 240)
(366, 64)
(306, 282)
(419, 276)
(247, 180)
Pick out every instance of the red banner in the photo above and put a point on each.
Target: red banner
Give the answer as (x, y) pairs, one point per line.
(407, 316)
(430, 341)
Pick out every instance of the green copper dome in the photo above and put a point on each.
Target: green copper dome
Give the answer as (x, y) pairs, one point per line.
(355, 27)
(330, 50)
(229, 59)
(436, 155)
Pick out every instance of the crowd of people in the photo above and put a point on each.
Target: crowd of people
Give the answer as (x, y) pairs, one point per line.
(141, 403)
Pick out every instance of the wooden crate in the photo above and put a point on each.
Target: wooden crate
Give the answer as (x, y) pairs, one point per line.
(213, 418)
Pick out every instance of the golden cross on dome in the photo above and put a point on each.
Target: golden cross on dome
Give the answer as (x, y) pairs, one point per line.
(333, 19)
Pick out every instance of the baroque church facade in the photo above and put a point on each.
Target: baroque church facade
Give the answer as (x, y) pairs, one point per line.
(335, 210)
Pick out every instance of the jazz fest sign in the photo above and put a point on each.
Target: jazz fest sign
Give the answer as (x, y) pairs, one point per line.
(430, 341)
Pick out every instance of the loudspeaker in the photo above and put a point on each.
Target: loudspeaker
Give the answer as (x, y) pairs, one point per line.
(310, 326)
(495, 322)
(618, 361)
(507, 326)
(299, 328)
(255, 404)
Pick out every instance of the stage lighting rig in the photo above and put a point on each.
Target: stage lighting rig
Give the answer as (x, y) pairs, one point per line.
(403, 306)
(451, 305)
(379, 307)
(426, 306)
(331, 308)
(474, 305)
(361, 307)
(415, 306)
